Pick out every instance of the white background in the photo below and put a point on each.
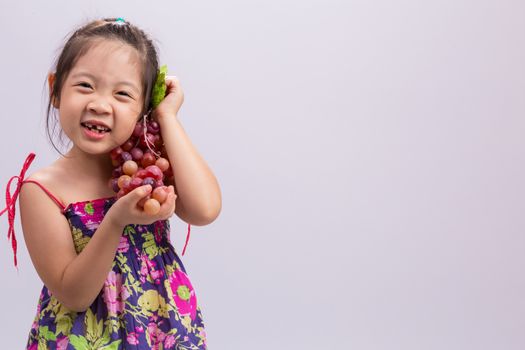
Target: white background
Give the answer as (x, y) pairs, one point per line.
(370, 156)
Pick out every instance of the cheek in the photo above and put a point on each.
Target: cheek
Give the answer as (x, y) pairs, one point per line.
(125, 130)
(68, 114)
(64, 123)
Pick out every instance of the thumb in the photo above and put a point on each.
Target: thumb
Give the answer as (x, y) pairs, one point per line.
(140, 192)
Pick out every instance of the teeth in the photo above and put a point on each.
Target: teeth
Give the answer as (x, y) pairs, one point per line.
(97, 128)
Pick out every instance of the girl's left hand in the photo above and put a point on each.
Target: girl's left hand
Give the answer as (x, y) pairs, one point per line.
(170, 105)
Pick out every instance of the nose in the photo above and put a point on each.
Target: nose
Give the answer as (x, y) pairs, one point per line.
(99, 106)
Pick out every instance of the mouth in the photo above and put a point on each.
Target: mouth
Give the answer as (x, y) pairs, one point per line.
(96, 128)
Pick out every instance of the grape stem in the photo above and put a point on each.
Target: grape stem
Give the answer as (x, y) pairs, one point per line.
(146, 138)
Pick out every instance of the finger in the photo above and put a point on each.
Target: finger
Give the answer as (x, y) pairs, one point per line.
(168, 191)
(174, 195)
(173, 85)
(140, 192)
(167, 208)
(168, 202)
(143, 200)
(172, 82)
(172, 209)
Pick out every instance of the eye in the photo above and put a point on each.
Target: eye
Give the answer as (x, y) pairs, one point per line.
(124, 93)
(83, 84)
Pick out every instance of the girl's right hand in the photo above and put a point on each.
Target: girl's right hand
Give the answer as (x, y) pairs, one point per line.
(126, 211)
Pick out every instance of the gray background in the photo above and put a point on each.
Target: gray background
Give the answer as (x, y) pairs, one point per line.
(370, 156)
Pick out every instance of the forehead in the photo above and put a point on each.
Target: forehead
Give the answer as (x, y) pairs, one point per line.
(110, 62)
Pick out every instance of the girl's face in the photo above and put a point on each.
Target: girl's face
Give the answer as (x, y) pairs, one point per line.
(104, 87)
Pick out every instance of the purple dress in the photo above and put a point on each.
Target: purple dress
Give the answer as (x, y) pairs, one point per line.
(147, 301)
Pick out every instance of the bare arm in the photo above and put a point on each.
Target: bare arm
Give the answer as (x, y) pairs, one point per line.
(199, 196)
(75, 280)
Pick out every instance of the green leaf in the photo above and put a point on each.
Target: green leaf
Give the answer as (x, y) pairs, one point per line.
(42, 344)
(112, 346)
(159, 89)
(122, 259)
(78, 342)
(150, 246)
(88, 208)
(130, 231)
(93, 330)
(46, 333)
(64, 325)
(100, 327)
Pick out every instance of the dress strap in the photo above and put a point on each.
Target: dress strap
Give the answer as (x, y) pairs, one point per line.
(10, 201)
(53, 197)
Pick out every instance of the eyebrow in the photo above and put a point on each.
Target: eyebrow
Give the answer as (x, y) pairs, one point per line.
(124, 82)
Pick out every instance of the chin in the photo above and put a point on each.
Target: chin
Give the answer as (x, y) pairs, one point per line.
(95, 151)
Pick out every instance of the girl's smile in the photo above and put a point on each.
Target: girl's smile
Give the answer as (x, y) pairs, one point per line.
(95, 134)
(95, 129)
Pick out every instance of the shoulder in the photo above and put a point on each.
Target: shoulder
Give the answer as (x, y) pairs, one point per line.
(49, 177)
(43, 175)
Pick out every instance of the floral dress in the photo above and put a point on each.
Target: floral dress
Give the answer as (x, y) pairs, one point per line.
(147, 301)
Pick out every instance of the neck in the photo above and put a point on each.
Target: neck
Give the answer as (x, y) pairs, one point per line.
(88, 165)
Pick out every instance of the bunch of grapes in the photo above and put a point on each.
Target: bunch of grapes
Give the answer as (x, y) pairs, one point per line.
(137, 163)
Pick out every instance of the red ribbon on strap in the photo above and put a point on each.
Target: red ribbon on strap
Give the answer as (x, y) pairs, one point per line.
(10, 201)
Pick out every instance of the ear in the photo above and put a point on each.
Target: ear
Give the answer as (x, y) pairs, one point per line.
(51, 82)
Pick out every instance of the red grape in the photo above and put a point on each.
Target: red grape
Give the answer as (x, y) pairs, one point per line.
(168, 173)
(163, 164)
(153, 127)
(155, 172)
(148, 159)
(157, 141)
(136, 153)
(149, 137)
(141, 173)
(149, 181)
(137, 132)
(160, 194)
(128, 145)
(135, 182)
(124, 181)
(151, 206)
(125, 156)
(130, 167)
(115, 152)
(114, 185)
(117, 171)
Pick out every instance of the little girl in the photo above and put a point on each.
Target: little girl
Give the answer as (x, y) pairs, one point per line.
(112, 279)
